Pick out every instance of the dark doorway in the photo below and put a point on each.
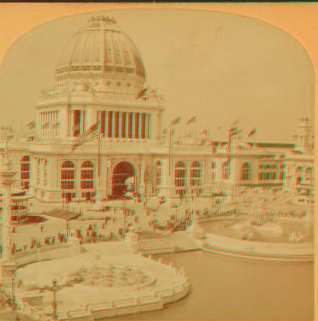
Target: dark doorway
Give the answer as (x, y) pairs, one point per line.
(121, 173)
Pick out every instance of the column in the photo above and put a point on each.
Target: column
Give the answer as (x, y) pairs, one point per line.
(150, 126)
(126, 125)
(159, 125)
(41, 123)
(113, 125)
(53, 124)
(139, 125)
(109, 177)
(46, 123)
(119, 124)
(133, 125)
(56, 122)
(146, 126)
(48, 126)
(50, 122)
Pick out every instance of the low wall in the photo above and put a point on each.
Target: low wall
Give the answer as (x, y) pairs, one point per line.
(92, 312)
(47, 252)
(261, 250)
(158, 243)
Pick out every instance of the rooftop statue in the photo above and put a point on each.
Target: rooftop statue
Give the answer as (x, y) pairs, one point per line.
(5, 159)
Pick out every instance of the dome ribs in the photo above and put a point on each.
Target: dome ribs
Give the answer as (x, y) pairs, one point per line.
(96, 52)
(109, 51)
(76, 55)
(101, 49)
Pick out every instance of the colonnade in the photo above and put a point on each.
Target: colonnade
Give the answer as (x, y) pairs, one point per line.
(116, 124)
(49, 122)
(126, 125)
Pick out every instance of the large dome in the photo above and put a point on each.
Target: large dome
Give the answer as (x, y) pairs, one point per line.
(100, 48)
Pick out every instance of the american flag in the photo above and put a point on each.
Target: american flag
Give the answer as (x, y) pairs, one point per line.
(176, 121)
(90, 135)
(191, 120)
(205, 132)
(31, 124)
(252, 132)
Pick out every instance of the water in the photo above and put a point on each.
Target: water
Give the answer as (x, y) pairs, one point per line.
(228, 288)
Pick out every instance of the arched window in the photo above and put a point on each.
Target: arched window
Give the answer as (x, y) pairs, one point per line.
(67, 175)
(196, 174)
(45, 172)
(299, 175)
(87, 175)
(180, 177)
(158, 173)
(25, 172)
(309, 174)
(226, 171)
(213, 172)
(246, 172)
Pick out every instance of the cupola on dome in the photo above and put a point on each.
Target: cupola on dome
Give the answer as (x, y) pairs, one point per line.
(101, 48)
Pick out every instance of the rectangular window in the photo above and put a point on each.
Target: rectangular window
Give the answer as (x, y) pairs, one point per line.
(67, 184)
(87, 174)
(102, 123)
(77, 123)
(130, 117)
(143, 125)
(116, 125)
(110, 124)
(87, 185)
(123, 124)
(136, 124)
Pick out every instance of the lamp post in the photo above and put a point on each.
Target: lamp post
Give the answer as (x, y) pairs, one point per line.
(13, 275)
(54, 304)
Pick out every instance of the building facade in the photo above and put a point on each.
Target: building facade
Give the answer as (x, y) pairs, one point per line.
(100, 81)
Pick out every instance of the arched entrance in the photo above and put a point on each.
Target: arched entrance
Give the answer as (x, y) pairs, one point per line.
(121, 173)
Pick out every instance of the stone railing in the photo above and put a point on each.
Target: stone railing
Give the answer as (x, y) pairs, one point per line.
(138, 304)
(33, 312)
(163, 242)
(23, 304)
(260, 250)
(47, 252)
(92, 312)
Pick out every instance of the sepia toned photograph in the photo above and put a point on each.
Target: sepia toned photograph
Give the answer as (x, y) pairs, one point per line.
(157, 161)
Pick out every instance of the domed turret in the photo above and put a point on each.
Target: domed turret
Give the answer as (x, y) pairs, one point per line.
(101, 48)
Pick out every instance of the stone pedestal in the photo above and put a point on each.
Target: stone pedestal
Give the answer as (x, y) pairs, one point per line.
(132, 239)
(7, 268)
(74, 240)
(196, 230)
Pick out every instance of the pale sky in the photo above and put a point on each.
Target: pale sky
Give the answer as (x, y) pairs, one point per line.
(219, 67)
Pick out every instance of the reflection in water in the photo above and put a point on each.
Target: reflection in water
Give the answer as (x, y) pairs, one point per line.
(228, 288)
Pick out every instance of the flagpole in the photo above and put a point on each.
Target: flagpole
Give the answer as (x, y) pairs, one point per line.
(99, 157)
(170, 151)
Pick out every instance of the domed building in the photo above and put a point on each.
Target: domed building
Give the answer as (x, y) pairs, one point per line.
(100, 79)
(99, 126)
